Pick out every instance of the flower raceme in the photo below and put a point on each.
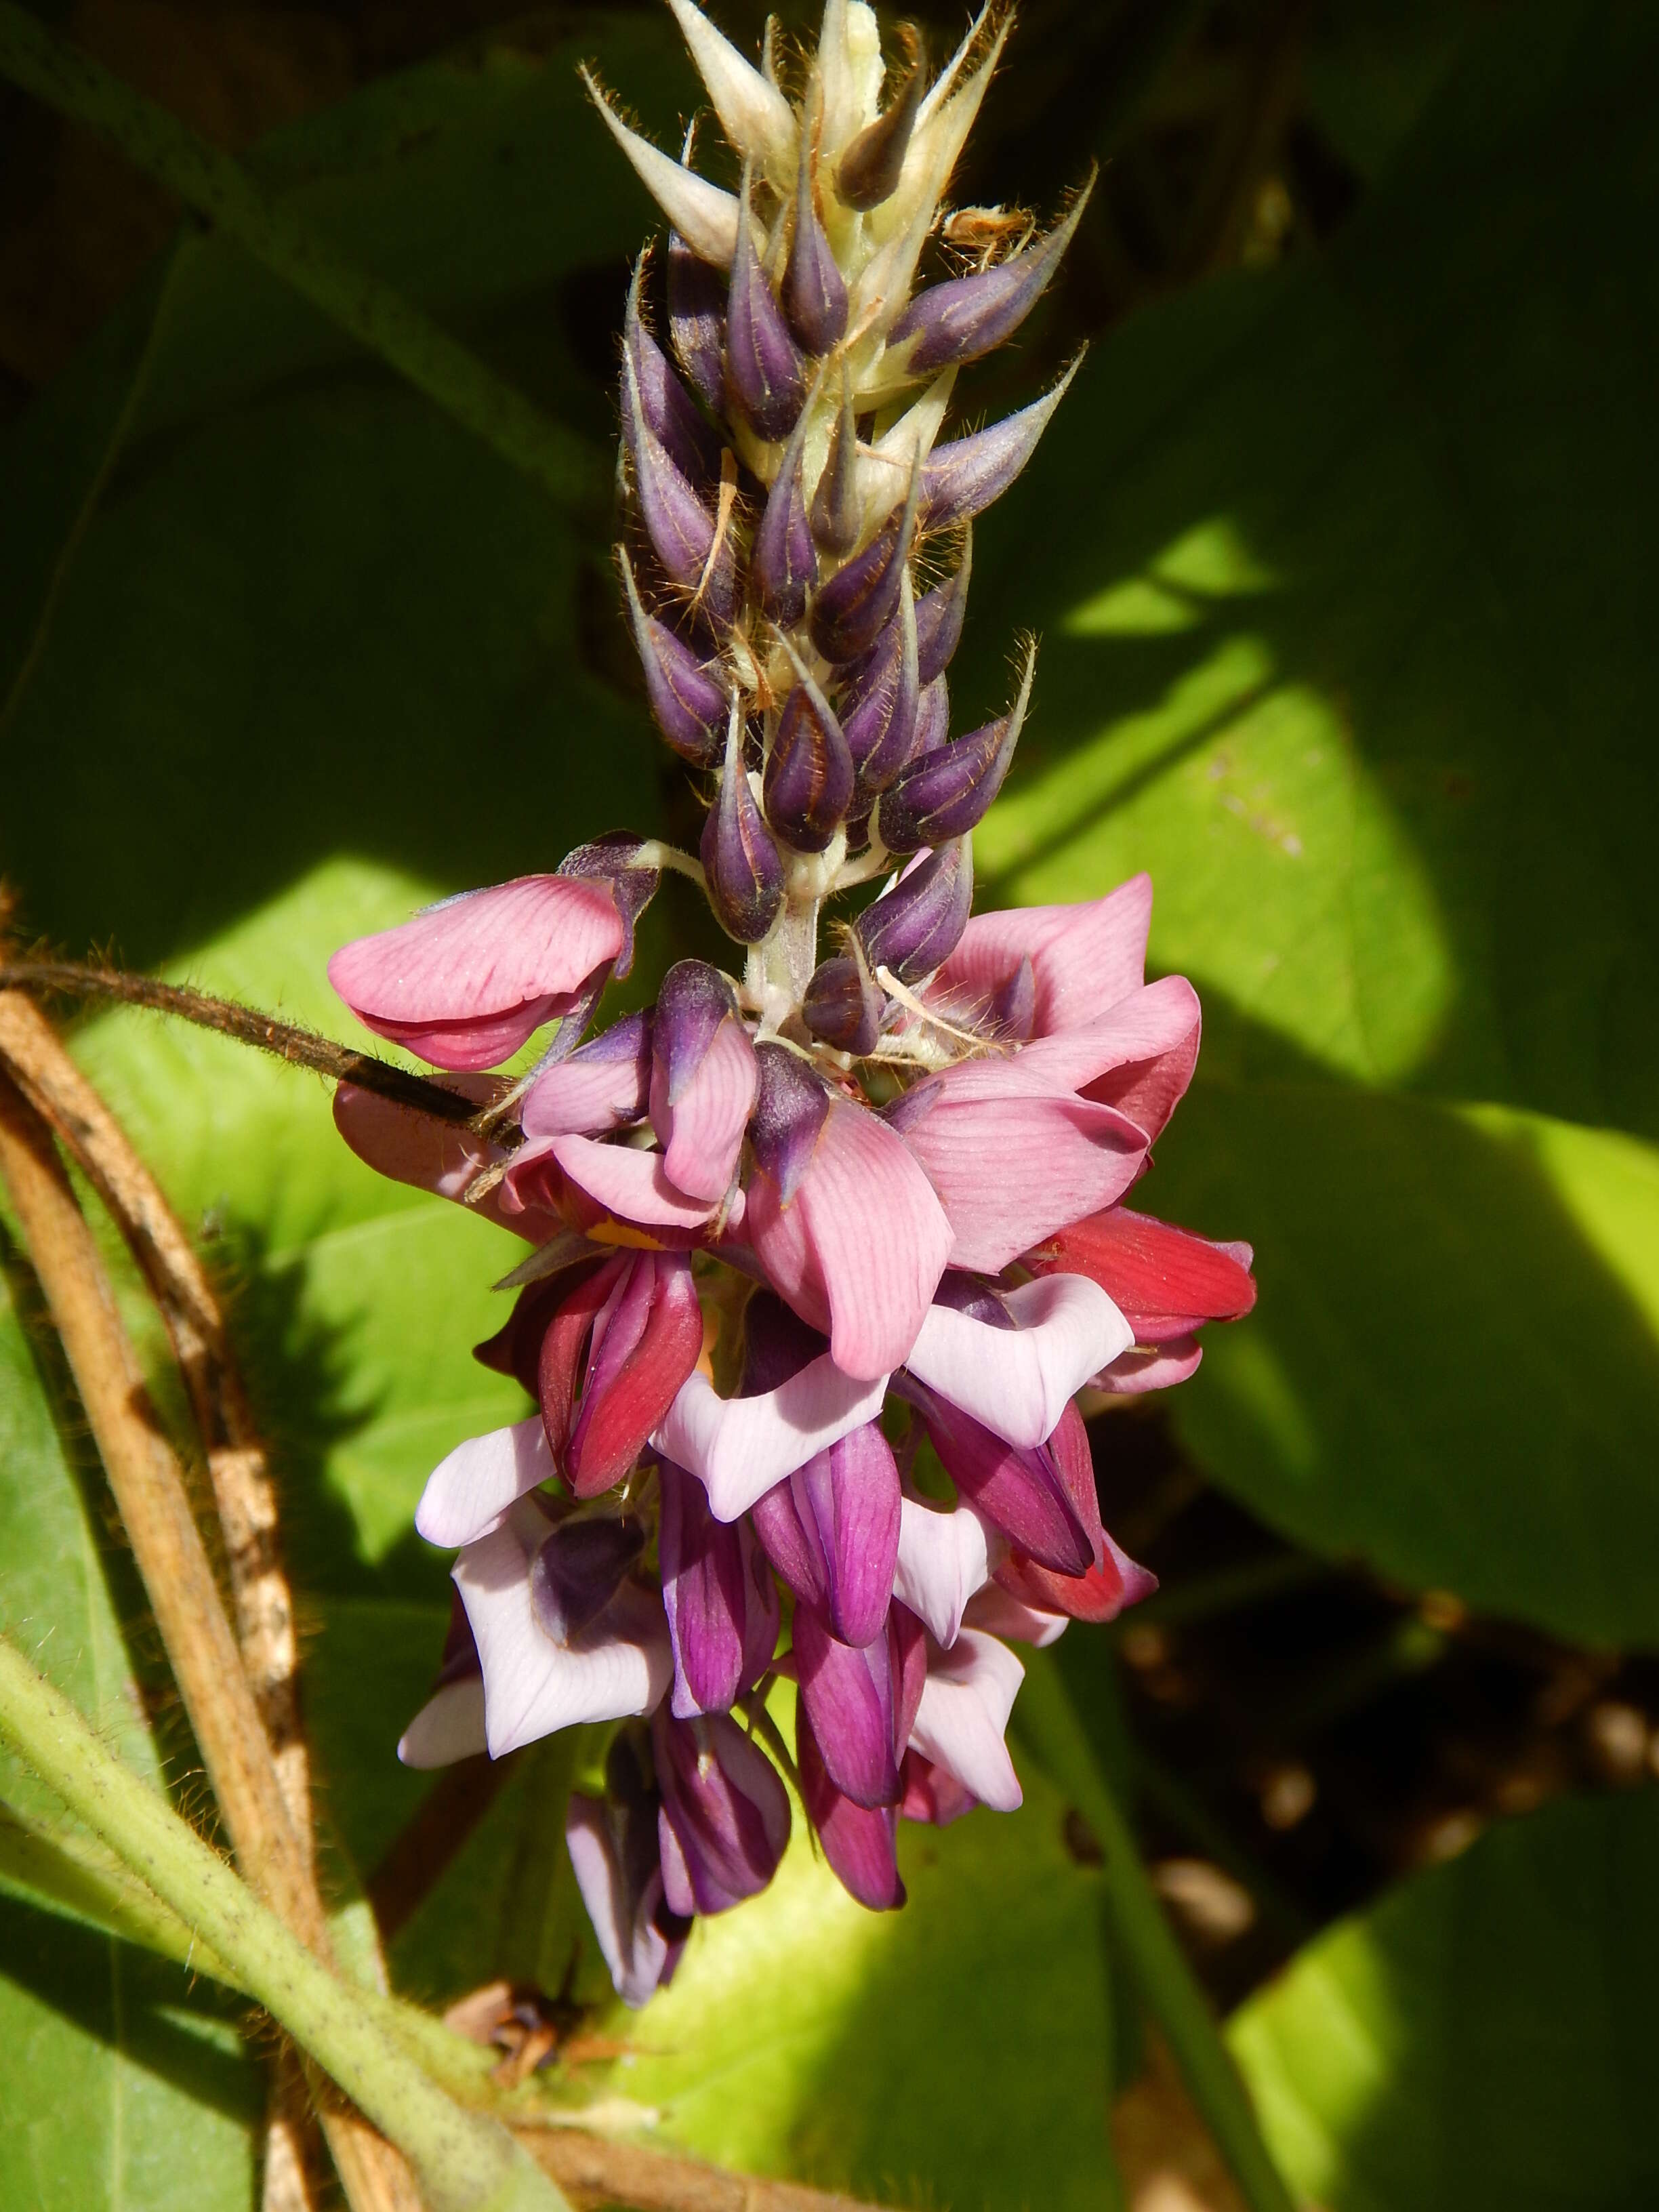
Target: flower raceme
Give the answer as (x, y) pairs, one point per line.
(823, 1249)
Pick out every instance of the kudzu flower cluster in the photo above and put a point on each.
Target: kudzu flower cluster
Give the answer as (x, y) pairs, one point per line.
(823, 1243)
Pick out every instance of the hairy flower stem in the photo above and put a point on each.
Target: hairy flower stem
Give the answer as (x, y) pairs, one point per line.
(466, 2162)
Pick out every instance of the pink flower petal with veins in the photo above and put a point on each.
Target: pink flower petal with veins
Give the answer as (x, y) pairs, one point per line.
(1084, 958)
(465, 983)
(435, 1156)
(964, 1714)
(1017, 1381)
(738, 1448)
(1139, 1057)
(706, 1125)
(467, 1493)
(631, 1184)
(1000, 1612)
(1151, 1367)
(859, 1250)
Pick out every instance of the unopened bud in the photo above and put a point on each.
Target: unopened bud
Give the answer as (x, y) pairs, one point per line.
(880, 719)
(961, 478)
(808, 785)
(721, 1602)
(843, 1005)
(944, 792)
(697, 320)
(782, 560)
(664, 403)
(859, 601)
(871, 167)
(814, 292)
(725, 1813)
(579, 1570)
(763, 370)
(938, 616)
(696, 553)
(913, 929)
(933, 717)
(740, 863)
(689, 704)
(837, 510)
(959, 321)
(791, 1106)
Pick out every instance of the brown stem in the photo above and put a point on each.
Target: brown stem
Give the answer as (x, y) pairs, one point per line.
(149, 1492)
(596, 2170)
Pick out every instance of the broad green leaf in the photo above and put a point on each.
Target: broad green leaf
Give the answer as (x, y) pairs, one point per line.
(1343, 641)
(1486, 2038)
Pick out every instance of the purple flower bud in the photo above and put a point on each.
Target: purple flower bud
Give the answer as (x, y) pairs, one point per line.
(808, 785)
(695, 549)
(617, 1860)
(740, 863)
(933, 717)
(791, 1106)
(837, 511)
(914, 928)
(613, 857)
(880, 719)
(814, 293)
(763, 372)
(961, 478)
(665, 404)
(697, 320)
(871, 167)
(703, 1079)
(857, 604)
(944, 792)
(832, 1531)
(782, 560)
(848, 1695)
(693, 1000)
(688, 701)
(857, 1841)
(940, 613)
(843, 1007)
(579, 1570)
(971, 315)
(721, 1601)
(725, 1817)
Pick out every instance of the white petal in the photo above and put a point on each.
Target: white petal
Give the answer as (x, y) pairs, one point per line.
(942, 1558)
(1000, 1612)
(633, 1950)
(1016, 1382)
(467, 1493)
(449, 1726)
(754, 114)
(704, 215)
(884, 470)
(965, 1704)
(533, 1686)
(740, 1448)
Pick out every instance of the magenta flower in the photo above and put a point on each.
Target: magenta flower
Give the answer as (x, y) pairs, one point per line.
(826, 1241)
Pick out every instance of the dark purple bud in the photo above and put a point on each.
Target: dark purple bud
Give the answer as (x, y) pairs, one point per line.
(832, 1531)
(1011, 1013)
(776, 1342)
(961, 478)
(956, 322)
(837, 510)
(693, 1000)
(740, 864)
(944, 792)
(614, 857)
(764, 372)
(782, 560)
(933, 717)
(579, 1570)
(808, 785)
(814, 293)
(1022, 1491)
(686, 535)
(857, 604)
(914, 928)
(721, 1602)
(666, 404)
(725, 1817)
(849, 1697)
(697, 320)
(857, 1841)
(687, 700)
(869, 168)
(880, 720)
(938, 616)
(843, 1007)
(791, 1106)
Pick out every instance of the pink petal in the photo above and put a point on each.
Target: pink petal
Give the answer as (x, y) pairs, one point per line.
(1139, 1057)
(860, 1248)
(1152, 1367)
(432, 1155)
(738, 1448)
(466, 1493)
(1000, 1612)
(965, 1704)
(534, 1687)
(1006, 1153)
(465, 984)
(1164, 1281)
(931, 1795)
(584, 1097)
(1017, 1381)
(631, 1184)
(858, 1842)
(943, 1558)
(708, 1122)
(1084, 957)
(449, 1726)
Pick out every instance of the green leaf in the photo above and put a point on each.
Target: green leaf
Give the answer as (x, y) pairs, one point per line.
(1486, 2038)
(1342, 640)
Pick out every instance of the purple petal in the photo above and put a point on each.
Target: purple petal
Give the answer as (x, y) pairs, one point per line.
(911, 929)
(579, 1570)
(961, 479)
(764, 372)
(741, 862)
(947, 792)
(814, 293)
(791, 1108)
(969, 316)
(832, 1532)
(740, 1448)
(1021, 1491)
(858, 1842)
(724, 1807)
(848, 1697)
(722, 1613)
